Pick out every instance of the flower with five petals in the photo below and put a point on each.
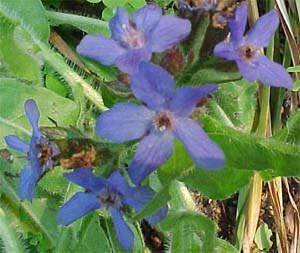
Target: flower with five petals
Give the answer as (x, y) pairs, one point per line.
(113, 194)
(245, 50)
(134, 40)
(39, 152)
(163, 117)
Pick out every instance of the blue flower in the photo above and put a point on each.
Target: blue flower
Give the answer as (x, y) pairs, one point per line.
(164, 116)
(112, 194)
(134, 40)
(39, 152)
(246, 50)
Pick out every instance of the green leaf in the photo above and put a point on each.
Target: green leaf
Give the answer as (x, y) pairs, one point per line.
(66, 240)
(26, 66)
(112, 4)
(291, 133)
(108, 73)
(293, 69)
(248, 152)
(234, 104)
(91, 236)
(296, 85)
(262, 237)
(179, 163)
(209, 70)
(54, 182)
(13, 94)
(191, 232)
(223, 246)
(163, 3)
(29, 14)
(52, 82)
(212, 184)
(107, 13)
(137, 3)
(94, 1)
(181, 167)
(88, 25)
(41, 216)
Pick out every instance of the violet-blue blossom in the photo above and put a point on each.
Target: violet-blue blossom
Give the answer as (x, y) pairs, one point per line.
(39, 152)
(164, 116)
(246, 49)
(112, 194)
(134, 40)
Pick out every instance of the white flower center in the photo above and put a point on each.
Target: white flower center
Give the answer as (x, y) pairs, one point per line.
(133, 37)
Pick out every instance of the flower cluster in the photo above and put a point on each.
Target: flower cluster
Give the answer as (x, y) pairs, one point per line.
(162, 115)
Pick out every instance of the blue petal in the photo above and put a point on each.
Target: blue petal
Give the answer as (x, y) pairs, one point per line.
(124, 122)
(238, 24)
(118, 182)
(186, 98)
(248, 70)
(152, 85)
(28, 179)
(86, 179)
(118, 23)
(272, 74)
(33, 115)
(227, 51)
(153, 150)
(205, 153)
(34, 154)
(147, 17)
(101, 49)
(79, 205)
(130, 61)
(138, 197)
(158, 216)
(16, 143)
(124, 233)
(262, 31)
(168, 32)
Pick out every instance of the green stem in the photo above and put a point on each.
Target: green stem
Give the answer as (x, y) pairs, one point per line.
(86, 24)
(181, 197)
(264, 112)
(252, 210)
(8, 236)
(75, 81)
(197, 40)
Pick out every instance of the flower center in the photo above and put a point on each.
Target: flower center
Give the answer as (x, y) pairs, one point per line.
(163, 121)
(45, 153)
(248, 52)
(133, 37)
(109, 199)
